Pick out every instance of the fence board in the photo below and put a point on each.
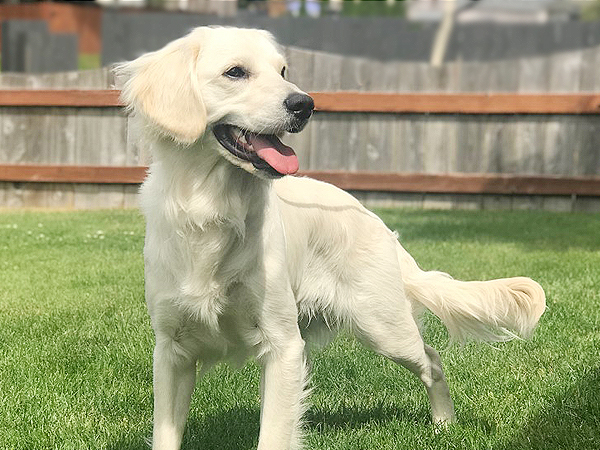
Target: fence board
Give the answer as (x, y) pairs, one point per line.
(72, 174)
(479, 118)
(62, 97)
(530, 133)
(354, 127)
(463, 103)
(348, 100)
(360, 181)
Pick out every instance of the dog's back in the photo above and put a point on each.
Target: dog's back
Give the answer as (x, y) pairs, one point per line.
(340, 251)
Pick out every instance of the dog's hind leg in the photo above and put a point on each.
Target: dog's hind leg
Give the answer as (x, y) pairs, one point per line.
(392, 332)
(174, 380)
(442, 407)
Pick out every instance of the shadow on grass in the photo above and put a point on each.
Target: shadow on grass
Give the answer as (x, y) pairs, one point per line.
(233, 429)
(533, 230)
(237, 429)
(572, 421)
(319, 420)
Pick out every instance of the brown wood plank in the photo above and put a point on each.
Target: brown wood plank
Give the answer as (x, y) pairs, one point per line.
(72, 174)
(461, 183)
(98, 98)
(360, 181)
(349, 101)
(463, 103)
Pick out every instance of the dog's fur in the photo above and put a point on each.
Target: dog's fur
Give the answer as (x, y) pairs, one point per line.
(240, 264)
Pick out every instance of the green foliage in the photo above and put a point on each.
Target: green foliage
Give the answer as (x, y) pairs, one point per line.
(87, 61)
(590, 10)
(373, 8)
(76, 344)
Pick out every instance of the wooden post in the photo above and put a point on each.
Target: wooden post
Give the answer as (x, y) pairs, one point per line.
(443, 34)
(276, 8)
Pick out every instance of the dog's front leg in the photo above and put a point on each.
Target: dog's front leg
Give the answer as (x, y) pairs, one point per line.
(174, 380)
(282, 385)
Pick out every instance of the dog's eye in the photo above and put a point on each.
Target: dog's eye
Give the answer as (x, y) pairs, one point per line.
(283, 71)
(236, 72)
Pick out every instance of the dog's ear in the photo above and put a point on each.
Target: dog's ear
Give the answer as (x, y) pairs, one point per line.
(161, 85)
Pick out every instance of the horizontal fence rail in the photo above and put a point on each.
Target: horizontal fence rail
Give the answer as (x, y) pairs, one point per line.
(91, 98)
(348, 101)
(461, 183)
(33, 173)
(463, 103)
(108, 174)
(358, 181)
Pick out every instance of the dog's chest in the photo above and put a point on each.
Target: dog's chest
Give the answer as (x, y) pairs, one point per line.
(198, 268)
(209, 294)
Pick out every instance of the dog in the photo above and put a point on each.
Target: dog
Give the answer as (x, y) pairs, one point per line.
(243, 259)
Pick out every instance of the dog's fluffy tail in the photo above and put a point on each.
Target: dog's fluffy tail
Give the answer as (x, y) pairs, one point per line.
(495, 310)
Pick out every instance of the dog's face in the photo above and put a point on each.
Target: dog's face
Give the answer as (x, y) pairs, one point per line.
(227, 85)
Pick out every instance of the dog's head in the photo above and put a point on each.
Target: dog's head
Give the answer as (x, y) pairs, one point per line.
(226, 84)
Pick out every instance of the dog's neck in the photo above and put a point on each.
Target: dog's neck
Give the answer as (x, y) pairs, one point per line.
(200, 186)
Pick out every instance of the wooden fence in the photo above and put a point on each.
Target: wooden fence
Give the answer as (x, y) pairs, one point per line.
(512, 134)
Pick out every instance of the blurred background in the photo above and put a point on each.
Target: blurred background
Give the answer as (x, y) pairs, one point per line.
(385, 46)
(89, 34)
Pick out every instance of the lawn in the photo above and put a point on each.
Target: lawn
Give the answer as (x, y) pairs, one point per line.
(76, 344)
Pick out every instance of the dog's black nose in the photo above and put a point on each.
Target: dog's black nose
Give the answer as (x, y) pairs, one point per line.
(300, 105)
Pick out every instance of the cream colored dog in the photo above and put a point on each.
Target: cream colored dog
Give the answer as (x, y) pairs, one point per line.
(243, 261)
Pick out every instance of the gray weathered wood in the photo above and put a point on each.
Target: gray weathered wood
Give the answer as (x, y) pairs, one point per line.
(558, 145)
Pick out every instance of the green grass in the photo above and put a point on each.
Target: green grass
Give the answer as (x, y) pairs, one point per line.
(87, 61)
(75, 344)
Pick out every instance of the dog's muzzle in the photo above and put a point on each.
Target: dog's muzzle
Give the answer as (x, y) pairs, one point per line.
(265, 151)
(300, 107)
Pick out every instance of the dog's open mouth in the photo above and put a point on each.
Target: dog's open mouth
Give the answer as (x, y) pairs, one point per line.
(266, 152)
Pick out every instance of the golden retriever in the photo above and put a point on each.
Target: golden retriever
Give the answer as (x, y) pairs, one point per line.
(244, 260)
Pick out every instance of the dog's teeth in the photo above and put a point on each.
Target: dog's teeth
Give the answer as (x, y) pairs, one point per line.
(235, 134)
(243, 138)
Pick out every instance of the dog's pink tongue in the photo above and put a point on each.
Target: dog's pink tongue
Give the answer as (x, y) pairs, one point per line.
(278, 155)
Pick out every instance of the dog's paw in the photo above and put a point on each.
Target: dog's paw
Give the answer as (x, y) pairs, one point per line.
(442, 423)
